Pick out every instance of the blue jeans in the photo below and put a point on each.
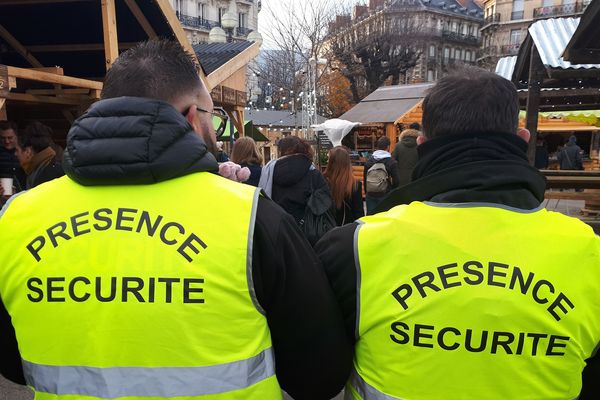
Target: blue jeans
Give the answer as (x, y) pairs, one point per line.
(373, 202)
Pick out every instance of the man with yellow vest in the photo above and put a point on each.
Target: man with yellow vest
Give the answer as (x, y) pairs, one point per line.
(463, 286)
(143, 274)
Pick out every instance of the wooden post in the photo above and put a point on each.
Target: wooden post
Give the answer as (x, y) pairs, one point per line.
(109, 27)
(536, 77)
(3, 116)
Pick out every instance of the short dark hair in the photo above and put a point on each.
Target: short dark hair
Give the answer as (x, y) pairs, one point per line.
(294, 145)
(6, 125)
(35, 135)
(470, 101)
(383, 143)
(157, 69)
(415, 125)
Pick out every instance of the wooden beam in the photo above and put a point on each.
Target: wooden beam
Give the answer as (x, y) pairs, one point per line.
(3, 116)
(29, 2)
(19, 48)
(533, 99)
(231, 66)
(67, 48)
(40, 76)
(141, 18)
(172, 20)
(58, 92)
(109, 28)
(237, 117)
(30, 98)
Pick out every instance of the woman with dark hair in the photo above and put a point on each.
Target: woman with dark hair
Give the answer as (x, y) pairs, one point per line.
(345, 190)
(292, 178)
(246, 154)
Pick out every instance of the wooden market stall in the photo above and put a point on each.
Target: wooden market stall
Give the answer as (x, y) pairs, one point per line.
(55, 53)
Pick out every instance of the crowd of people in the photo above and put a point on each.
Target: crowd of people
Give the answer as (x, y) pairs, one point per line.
(153, 276)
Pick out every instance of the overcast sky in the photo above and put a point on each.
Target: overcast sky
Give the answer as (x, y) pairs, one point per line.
(280, 6)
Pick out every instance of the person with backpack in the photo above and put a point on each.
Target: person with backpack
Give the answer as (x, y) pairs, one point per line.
(381, 174)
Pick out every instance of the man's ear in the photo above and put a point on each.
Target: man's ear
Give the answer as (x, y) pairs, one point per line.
(421, 139)
(524, 134)
(191, 116)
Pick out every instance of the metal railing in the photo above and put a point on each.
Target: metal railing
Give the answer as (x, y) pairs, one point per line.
(511, 49)
(491, 19)
(563, 9)
(196, 22)
(241, 31)
(460, 37)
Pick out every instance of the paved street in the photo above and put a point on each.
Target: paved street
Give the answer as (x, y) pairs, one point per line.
(11, 391)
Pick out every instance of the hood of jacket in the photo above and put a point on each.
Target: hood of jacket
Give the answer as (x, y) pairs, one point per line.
(131, 140)
(381, 154)
(291, 169)
(409, 141)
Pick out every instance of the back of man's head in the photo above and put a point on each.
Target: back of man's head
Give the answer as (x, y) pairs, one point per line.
(383, 143)
(36, 135)
(473, 101)
(156, 69)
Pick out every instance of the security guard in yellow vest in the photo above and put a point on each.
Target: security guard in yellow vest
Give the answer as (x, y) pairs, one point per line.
(145, 275)
(464, 286)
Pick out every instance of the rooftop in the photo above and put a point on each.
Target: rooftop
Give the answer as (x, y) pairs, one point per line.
(215, 55)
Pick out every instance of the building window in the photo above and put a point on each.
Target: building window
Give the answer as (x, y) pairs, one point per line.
(179, 6)
(446, 54)
(222, 12)
(547, 3)
(432, 51)
(515, 36)
(201, 11)
(454, 27)
(468, 55)
(518, 10)
(243, 20)
(430, 75)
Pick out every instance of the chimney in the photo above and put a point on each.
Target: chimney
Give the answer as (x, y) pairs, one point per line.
(463, 3)
(359, 11)
(374, 4)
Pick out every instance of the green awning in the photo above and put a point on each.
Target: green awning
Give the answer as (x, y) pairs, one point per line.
(590, 117)
(249, 129)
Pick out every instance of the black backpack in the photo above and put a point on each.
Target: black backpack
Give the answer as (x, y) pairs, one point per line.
(317, 219)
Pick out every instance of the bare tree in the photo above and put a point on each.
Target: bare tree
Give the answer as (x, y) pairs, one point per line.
(388, 50)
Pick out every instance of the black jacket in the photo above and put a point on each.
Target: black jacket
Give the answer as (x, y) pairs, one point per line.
(570, 158)
(10, 168)
(293, 182)
(313, 356)
(352, 208)
(45, 173)
(458, 169)
(255, 172)
(391, 166)
(405, 154)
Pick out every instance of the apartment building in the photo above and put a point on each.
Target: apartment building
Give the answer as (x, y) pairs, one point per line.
(199, 17)
(506, 22)
(448, 31)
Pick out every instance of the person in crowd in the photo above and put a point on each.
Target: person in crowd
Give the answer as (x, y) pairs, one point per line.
(345, 190)
(380, 174)
(405, 154)
(9, 164)
(221, 155)
(246, 154)
(569, 156)
(463, 285)
(292, 178)
(168, 280)
(36, 155)
(541, 153)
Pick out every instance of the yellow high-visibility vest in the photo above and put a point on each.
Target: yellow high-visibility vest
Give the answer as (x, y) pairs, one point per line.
(474, 301)
(137, 292)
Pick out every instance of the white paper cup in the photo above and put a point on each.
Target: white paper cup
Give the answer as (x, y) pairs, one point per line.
(7, 185)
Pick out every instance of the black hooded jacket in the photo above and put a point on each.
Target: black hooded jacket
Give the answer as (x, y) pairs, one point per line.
(138, 141)
(490, 168)
(294, 180)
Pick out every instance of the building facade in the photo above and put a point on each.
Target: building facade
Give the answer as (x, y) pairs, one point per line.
(506, 23)
(198, 17)
(448, 31)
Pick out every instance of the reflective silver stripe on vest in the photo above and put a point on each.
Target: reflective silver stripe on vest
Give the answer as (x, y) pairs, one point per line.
(116, 382)
(366, 391)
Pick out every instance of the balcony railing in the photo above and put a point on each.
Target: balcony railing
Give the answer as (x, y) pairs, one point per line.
(196, 22)
(517, 15)
(460, 37)
(511, 49)
(241, 31)
(491, 19)
(563, 9)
